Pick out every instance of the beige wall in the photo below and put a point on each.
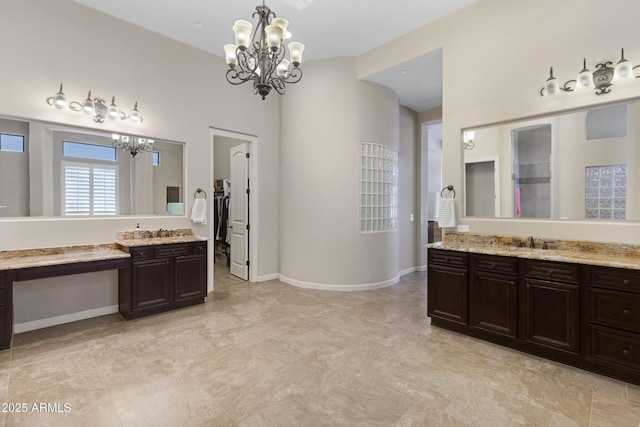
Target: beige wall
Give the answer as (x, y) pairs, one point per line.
(408, 186)
(496, 56)
(181, 92)
(320, 238)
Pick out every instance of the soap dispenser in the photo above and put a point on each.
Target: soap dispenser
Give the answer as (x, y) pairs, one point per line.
(137, 234)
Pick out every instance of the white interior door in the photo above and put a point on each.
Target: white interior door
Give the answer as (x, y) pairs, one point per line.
(239, 211)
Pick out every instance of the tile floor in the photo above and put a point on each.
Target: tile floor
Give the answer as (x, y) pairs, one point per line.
(271, 354)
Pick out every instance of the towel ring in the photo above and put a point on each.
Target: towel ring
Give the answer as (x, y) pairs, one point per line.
(450, 188)
(199, 190)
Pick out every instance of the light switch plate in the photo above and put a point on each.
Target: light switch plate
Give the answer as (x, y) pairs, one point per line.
(462, 228)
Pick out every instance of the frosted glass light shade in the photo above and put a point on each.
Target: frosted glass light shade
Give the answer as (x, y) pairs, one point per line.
(60, 101)
(282, 23)
(87, 105)
(623, 71)
(230, 54)
(283, 68)
(274, 36)
(113, 111)
(469, 135)
(242, 30)
(551, 87)
(135, 114)
(585, 78)
(295, 50)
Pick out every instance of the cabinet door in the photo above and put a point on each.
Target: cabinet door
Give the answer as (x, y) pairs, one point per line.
(494, 303)
(151, 284)
(550, 315)
(447, 294)
(190, 277)
(6, 319)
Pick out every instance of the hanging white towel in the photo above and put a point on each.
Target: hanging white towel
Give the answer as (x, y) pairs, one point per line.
(199, 211)
(447, 214)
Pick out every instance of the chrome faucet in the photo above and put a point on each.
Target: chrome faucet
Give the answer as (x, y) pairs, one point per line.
(532, 243)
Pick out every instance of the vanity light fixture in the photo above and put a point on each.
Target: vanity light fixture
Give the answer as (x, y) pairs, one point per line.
(95, 107)
(260, 58)
(467, 140)
(601, 79)
(132, 144)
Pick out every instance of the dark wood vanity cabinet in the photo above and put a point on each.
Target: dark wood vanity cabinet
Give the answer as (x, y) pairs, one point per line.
(494, 295)
(448, 287)
(550, 311)
(585, 316)
(162, 278)
(6, 321)
(613, 330)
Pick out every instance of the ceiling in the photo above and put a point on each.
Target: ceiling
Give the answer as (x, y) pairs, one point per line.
(328, 28)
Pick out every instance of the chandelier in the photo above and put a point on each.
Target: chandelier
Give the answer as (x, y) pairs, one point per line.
(132, 144)
(260, 57)
(95, 107)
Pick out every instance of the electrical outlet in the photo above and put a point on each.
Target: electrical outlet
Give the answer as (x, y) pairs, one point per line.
(411, 217)
(463, 228)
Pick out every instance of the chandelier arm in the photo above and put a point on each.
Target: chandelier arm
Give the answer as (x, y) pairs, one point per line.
(234, 77)
(294, 76)
(278, 84)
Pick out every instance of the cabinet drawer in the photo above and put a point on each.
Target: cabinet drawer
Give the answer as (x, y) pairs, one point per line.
(495, 264)
(610, 278)
(3, 297)
(165, 251)
(141, 253)
(615, 347)
(552, 271)
(450, 258)
(200, 248)
(615, 309)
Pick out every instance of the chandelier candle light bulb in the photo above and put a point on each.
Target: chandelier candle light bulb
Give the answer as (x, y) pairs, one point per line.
(259, 57)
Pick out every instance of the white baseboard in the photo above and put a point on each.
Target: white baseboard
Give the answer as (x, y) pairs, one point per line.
(268, 277)
(65, 318)
(341, 288)
(408, 271)
(423, 267)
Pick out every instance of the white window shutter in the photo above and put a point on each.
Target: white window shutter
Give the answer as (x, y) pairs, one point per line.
(77, 190)
(90, 189)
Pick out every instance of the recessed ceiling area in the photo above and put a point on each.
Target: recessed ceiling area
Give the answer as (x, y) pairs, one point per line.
(328, 28)
(417, 82)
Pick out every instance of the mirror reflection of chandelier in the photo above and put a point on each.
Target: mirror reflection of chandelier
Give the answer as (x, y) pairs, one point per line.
(261, 57)
(132, 144)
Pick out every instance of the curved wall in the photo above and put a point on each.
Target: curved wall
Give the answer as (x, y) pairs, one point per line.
(323, 120)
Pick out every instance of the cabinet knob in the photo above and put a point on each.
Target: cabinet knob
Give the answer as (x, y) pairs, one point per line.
(625, 282)
(625, 351)
(625, 311)
(492, 264)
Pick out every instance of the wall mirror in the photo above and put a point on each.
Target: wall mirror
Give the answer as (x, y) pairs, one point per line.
(582, 165)
(48, 169)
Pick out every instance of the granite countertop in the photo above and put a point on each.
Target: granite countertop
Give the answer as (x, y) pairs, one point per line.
(577, 252)
(146, 241)
(128, 239)
(26, 258)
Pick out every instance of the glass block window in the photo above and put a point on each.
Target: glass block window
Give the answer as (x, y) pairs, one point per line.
(606, 192)
(378, 188)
